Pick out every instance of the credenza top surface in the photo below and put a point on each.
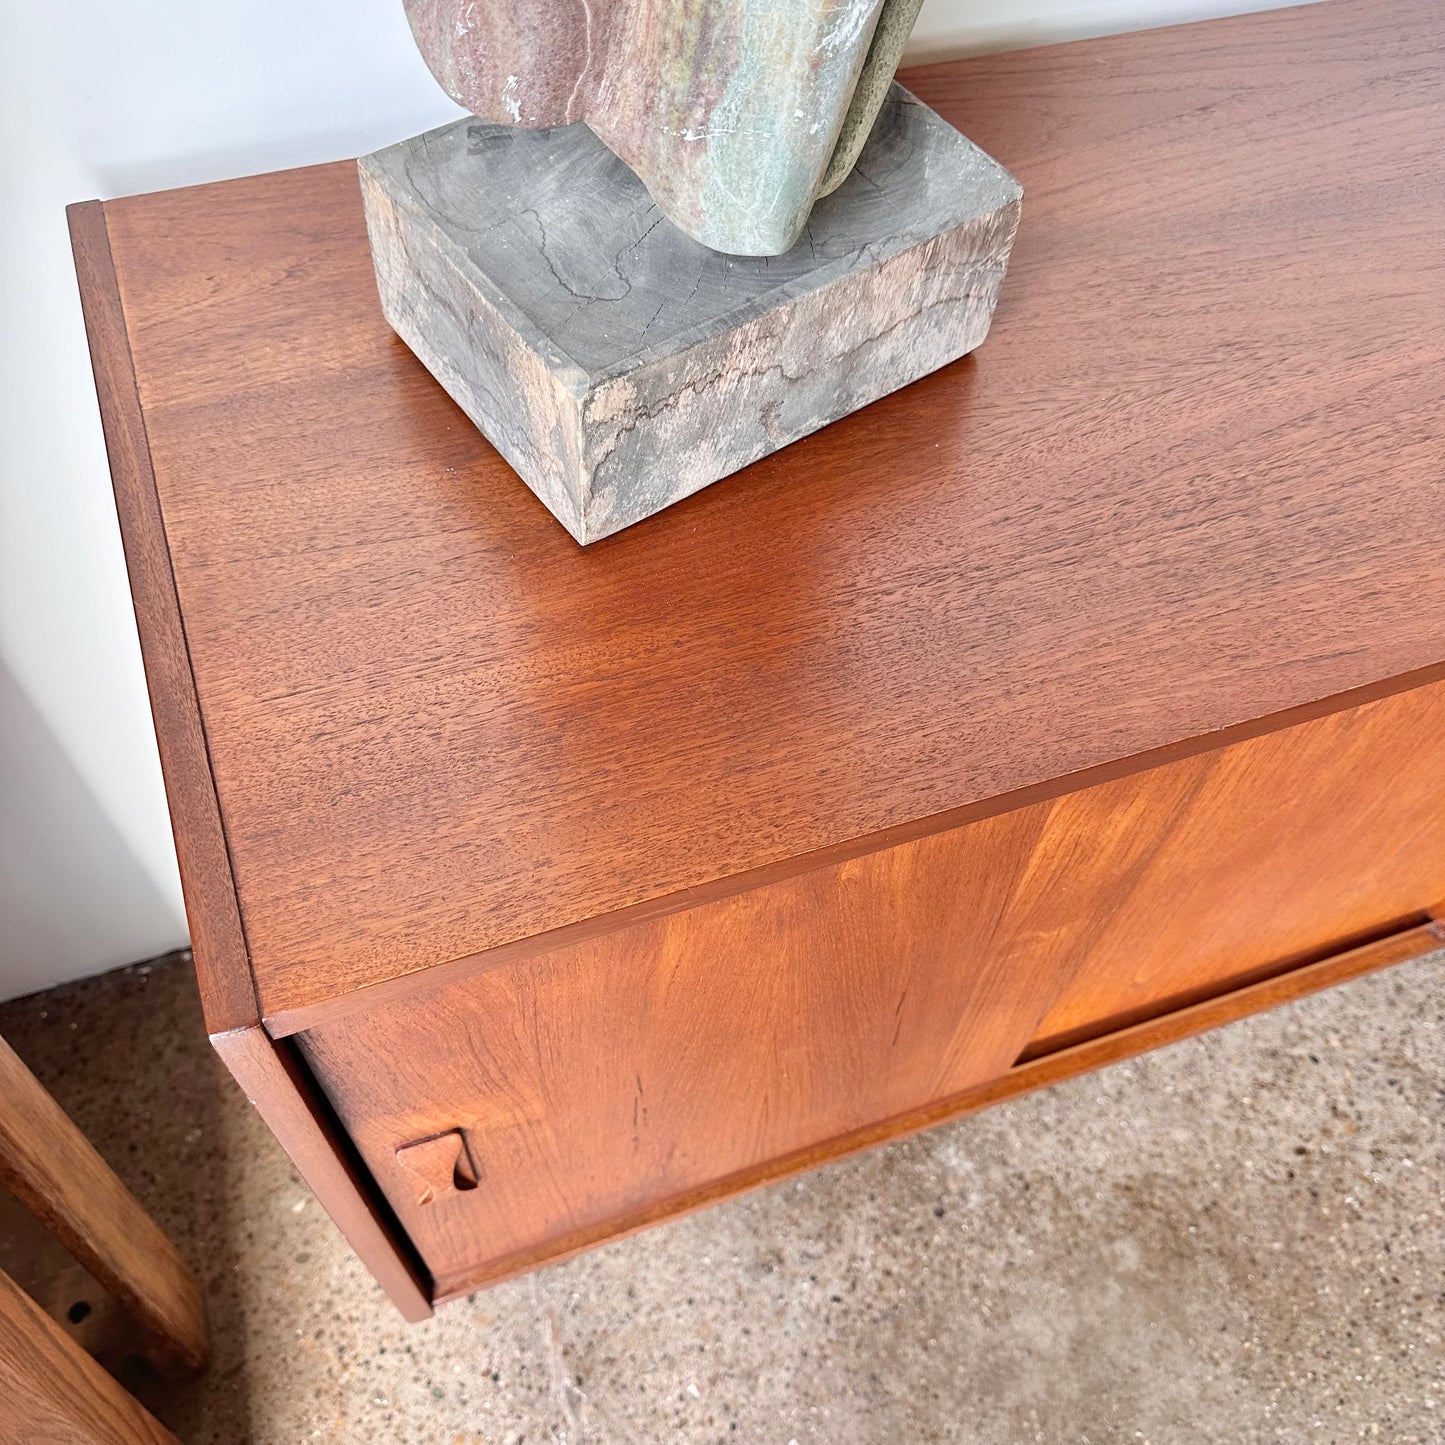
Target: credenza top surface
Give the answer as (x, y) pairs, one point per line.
(1196, 476)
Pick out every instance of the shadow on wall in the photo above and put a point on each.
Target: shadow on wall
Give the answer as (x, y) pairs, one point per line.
(57, 842)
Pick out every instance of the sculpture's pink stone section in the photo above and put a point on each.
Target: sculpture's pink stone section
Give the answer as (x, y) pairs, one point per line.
(730, 111)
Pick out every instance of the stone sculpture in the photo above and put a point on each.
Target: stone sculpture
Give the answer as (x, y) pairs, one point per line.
(755, 232)
(736, 114)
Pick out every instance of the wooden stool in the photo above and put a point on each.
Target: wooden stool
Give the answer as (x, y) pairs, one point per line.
(50, 1389)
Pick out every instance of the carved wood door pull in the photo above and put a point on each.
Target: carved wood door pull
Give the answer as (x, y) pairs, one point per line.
(439, 1166)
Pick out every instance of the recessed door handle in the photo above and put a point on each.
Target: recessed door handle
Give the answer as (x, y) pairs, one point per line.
(439, 1166)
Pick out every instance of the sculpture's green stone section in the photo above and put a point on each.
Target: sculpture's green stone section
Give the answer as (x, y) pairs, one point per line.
(736, 114)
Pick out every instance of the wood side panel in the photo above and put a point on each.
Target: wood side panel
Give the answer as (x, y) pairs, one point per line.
(650, 1063)
(54, 1170)
(53, 1393)
(1191, 479)
(287, 1099)
(1305, 838)
(1039, 1073)
(218, 939)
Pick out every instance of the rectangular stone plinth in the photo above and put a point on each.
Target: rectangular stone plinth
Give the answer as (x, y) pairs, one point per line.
(620, 366)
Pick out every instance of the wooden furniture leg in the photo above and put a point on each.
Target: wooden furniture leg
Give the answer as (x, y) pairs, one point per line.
(52, 1391)
(51, 1167)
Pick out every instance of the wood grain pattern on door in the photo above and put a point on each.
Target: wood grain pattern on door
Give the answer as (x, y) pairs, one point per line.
(649, 1061)
(636, 1067)
(1303, 841)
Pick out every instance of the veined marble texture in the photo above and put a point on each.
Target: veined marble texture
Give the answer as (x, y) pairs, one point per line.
(736, 114)
(618, 365)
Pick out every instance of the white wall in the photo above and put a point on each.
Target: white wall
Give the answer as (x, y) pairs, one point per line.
(972, 27)
(99, 98)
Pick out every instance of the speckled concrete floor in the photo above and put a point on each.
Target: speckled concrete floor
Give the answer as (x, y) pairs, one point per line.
(1239, 1239)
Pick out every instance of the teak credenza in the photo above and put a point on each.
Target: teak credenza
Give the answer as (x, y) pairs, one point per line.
(1084, 695)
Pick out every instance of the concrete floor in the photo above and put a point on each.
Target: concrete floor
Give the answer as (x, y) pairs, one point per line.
(1239, 1239)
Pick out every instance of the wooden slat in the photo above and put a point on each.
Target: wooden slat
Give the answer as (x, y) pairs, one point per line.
(52, 1168)
(53, 1393)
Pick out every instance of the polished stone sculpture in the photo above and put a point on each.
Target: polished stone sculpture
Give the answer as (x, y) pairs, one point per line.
(736, 114)
(617, 364)
(756, 232)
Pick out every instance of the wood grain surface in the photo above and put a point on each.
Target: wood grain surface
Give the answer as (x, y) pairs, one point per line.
(1290, 846)
(650, 1063)
(282, 1093)
(53, 1169)
(1192, 479)
(53, 1393)
(661, 1057)
(1024, 1078)
(218, 937)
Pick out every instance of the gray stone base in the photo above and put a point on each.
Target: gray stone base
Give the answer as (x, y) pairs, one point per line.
(618, 365)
